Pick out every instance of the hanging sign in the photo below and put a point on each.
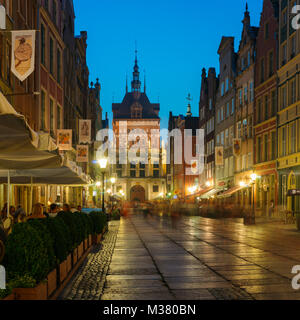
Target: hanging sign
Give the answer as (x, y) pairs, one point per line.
(237, 147)
(82, 153)
(2, 17)
(64, 139)
(85, 130)
(23, 53)
(219, 152)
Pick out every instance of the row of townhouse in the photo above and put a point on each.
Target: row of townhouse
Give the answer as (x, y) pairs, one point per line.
(252, 111)
(57, 94)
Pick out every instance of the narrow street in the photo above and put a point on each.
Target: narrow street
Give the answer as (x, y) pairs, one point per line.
(155, 258)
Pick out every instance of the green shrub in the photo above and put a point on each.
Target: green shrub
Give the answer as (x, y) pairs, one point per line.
(70, 222)
(26, 253)
(41, 227)
(23, 282)
(62, 241)
(80, 227)
(99, 222)
(88, 223)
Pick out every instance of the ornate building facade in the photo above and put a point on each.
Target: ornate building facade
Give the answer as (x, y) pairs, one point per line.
(138, 181)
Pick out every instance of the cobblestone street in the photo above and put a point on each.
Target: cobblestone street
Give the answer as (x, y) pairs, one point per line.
(155, 258)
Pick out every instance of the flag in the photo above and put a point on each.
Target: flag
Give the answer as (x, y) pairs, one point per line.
(219, 153)
(64, 139)
(82, 153)
(85, 130)
(23, 53)
(2, 17)
(237, 147)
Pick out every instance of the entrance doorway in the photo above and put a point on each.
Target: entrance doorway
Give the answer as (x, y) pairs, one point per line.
(138, 194)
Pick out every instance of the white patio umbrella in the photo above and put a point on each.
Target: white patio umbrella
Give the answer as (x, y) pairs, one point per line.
(19, 145)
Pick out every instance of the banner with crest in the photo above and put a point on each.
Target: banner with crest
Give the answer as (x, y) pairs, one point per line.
(23, 53)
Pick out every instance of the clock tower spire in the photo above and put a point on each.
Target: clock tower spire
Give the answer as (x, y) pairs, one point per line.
(136, 83)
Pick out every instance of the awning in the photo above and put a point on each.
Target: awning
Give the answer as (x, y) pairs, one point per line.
(19, 143)
(230, 192)
(210, 193)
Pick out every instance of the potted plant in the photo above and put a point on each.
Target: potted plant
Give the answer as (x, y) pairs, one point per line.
(27, 256)
(26, 288)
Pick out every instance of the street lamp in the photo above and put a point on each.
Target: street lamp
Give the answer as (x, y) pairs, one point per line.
(103, 164)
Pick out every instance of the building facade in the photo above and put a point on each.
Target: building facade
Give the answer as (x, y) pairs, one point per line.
(145, 180)
(244, 110)
(288, 123)
(225, 114)
(209, 87)
(265, 123)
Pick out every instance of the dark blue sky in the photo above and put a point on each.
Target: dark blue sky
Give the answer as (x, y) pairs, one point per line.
(175, 40)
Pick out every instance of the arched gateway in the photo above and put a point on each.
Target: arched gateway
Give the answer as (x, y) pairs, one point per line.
(138, 193)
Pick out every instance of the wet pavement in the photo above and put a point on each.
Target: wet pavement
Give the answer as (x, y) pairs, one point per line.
(157, 258)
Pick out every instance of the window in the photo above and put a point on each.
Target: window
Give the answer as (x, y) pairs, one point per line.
(267, 31)
(262, 70)
(274, 144)
(222, 89)
(293, 47)
(226, 84)
(240, 97)
(239, 129)
(293, 91)
(283, 98)
(232, 106)
(273, 103)
(246, 94)
(155, 189)
(156, 173)
(51, 115)
(222, 114)
(47, 4)
(284, 54)
(51, 56)
(222, 138)
(266, 147)
(259, 109)
(54, 12)
(226, 137)
(258, 150)
(227, 110)
(293, 137)
(271, 63)
(132, 174)
(58, 117)
(58, 66)
(142, 173)
(284, 138)
(266, 107)
(119, 173)
(210, 104)
(43, 44)
(43, 110)
(251, 91)
(245, 128)
(249, 58)
(231, 135)
(218, 139)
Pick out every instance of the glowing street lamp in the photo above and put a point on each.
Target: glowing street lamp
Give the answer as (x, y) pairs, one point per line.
(103, 164)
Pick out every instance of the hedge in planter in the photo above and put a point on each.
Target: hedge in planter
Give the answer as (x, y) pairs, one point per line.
(41, 227)
(99, 222)
(61, 236)
(70, 222)
(26, 253)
